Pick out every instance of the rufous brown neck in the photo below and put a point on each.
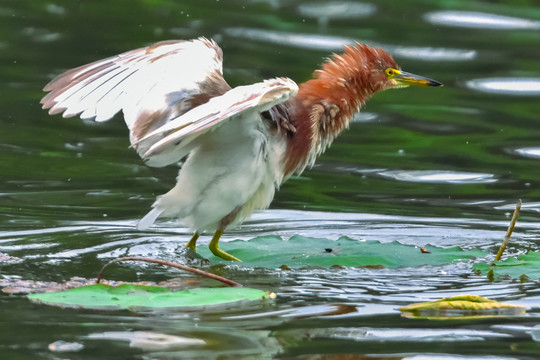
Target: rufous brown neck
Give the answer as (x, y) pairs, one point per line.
(324, 105)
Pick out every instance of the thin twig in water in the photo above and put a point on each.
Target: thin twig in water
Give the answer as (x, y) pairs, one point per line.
(171, 264)
(509, 231)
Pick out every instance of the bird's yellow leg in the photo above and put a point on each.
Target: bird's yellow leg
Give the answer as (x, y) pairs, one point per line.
(192, 244)
(214, 248)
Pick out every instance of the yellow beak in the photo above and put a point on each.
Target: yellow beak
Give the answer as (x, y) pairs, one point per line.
(404, 78)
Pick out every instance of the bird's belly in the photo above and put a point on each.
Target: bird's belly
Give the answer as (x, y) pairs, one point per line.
(224, 180)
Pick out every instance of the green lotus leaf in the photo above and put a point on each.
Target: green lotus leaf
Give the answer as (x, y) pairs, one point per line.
(132, 296)
(525, 266)
(299, 251)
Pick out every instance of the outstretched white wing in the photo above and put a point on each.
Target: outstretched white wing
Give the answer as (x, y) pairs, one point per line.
(177, 134)
(151, 85)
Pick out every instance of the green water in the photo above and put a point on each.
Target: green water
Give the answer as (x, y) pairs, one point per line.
(419, 166)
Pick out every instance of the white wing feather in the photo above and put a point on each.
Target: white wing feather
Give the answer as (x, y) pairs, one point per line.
(180, 132)
(170, 93)
(103, 88)
(150, 85)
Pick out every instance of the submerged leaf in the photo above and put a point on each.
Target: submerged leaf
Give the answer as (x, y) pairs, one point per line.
(527, 265)
(130, 296)
(461, 306)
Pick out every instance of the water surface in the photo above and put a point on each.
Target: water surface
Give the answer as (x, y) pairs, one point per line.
(439, 167)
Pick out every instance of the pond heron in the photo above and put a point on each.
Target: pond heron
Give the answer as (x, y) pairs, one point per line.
(237, 144)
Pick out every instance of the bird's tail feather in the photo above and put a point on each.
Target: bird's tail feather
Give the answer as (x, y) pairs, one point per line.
(148, 219)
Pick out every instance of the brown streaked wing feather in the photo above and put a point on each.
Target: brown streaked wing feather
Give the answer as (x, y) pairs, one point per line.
(151, 85)
(124, 82)
(181, 131)
(214, 86)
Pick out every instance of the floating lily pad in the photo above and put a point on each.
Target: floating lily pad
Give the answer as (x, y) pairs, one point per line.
(299, 251)
(131, 296)
(462, 307)
(526, 265)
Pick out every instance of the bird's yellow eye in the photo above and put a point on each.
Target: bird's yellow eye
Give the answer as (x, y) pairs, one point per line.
(391, 72)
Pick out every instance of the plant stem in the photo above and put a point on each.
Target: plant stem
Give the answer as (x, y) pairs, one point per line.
(171, 264)
(509, 231)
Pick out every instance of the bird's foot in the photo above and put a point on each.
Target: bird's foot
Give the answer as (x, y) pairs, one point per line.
(214, 248)
(192, 243)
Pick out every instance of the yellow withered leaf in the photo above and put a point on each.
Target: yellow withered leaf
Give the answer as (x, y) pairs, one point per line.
(461, 306)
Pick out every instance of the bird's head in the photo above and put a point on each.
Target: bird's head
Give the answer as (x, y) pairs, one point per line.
(383, 72)
(343, 84)
(365, 70)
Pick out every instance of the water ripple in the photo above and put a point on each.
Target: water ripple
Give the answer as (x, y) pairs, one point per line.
(480, 20)
(336, 10)
(336, 43)
(41, 35)
(110, 239)
(439, 176)
(456, 357)
(530, 152)
(431, 53)
(528, 206)
(506, 85)
(56, 9)
(423, 335)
